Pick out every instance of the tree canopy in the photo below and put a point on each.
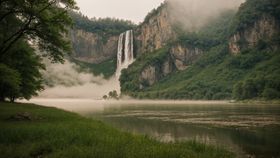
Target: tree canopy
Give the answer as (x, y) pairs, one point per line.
(42, 22)
(26, 26)
(105, 27)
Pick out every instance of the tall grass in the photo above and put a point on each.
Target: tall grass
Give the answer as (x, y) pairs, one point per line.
(55, 133)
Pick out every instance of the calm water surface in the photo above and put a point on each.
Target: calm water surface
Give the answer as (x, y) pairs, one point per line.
(247, 130)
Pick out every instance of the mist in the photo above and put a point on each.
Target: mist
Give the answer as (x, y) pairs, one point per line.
(194, 14)
(69, 81)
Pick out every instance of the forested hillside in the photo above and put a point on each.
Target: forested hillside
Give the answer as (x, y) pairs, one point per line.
(235, 56)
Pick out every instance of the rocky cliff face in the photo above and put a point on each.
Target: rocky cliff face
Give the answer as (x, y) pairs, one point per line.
(154, 72)
(179, 58)
(149, 76)
(151, 35)
(184, 56)
(154, 33)
(264, 29)
(92, 48)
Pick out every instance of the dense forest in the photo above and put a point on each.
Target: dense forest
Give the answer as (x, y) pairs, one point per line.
(105, 27)
(254, 73)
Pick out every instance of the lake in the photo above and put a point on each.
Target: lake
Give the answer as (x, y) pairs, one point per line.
(247, 130)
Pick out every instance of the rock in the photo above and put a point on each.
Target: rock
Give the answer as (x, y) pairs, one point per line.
(155, 33)
(91, 48)
(233, 44)
(179, 58)
(167, 67)
(149, 75)
(153, 73)
(184, 56)
(263, 29)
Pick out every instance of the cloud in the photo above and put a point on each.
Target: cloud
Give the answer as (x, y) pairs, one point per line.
(193, 14)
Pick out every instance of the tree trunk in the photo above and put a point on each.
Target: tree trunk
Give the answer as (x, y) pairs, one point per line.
(2, 99)
(12, 99)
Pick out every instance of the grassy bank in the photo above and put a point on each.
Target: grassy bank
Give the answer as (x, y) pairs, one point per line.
(34, 131)
(258, 102)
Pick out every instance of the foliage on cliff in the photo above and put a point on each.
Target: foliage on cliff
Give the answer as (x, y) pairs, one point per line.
(252, 74)
(106, 68)
(252, 10)
(154, 12)
(204, 39)
(263, 81)
(212, 34)
(218, 75)
(105, 27)
(130, 77)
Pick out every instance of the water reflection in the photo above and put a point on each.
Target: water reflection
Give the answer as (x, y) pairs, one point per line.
(247, 130)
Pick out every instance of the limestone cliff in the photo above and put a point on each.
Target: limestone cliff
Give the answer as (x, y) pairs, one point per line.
(174, 63)
(155, 32)
(184, 56)
(93, 48)
(149, 75)
(152, 73)
(178, 58)
(264, 29)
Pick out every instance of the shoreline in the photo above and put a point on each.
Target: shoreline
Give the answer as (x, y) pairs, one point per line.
(157, 102)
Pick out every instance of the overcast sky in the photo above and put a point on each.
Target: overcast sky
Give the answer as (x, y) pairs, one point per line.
(134, 10)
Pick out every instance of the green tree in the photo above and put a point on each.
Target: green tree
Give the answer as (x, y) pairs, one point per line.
(113, 95)
(105, 97)
(9, 83)
(237, 91)
(44, 22)
(105, 27)
(28, 65)
(270, 93)
(24, 25)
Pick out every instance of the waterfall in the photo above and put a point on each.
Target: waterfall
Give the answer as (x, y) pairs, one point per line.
(125, 55)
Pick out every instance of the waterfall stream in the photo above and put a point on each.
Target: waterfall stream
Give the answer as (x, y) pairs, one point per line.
(125, 55)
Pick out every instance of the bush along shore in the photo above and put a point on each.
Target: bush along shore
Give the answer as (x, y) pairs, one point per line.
(29, 130)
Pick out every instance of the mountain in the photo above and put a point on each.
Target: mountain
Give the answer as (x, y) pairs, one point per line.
(234, 55)
(95, 42)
